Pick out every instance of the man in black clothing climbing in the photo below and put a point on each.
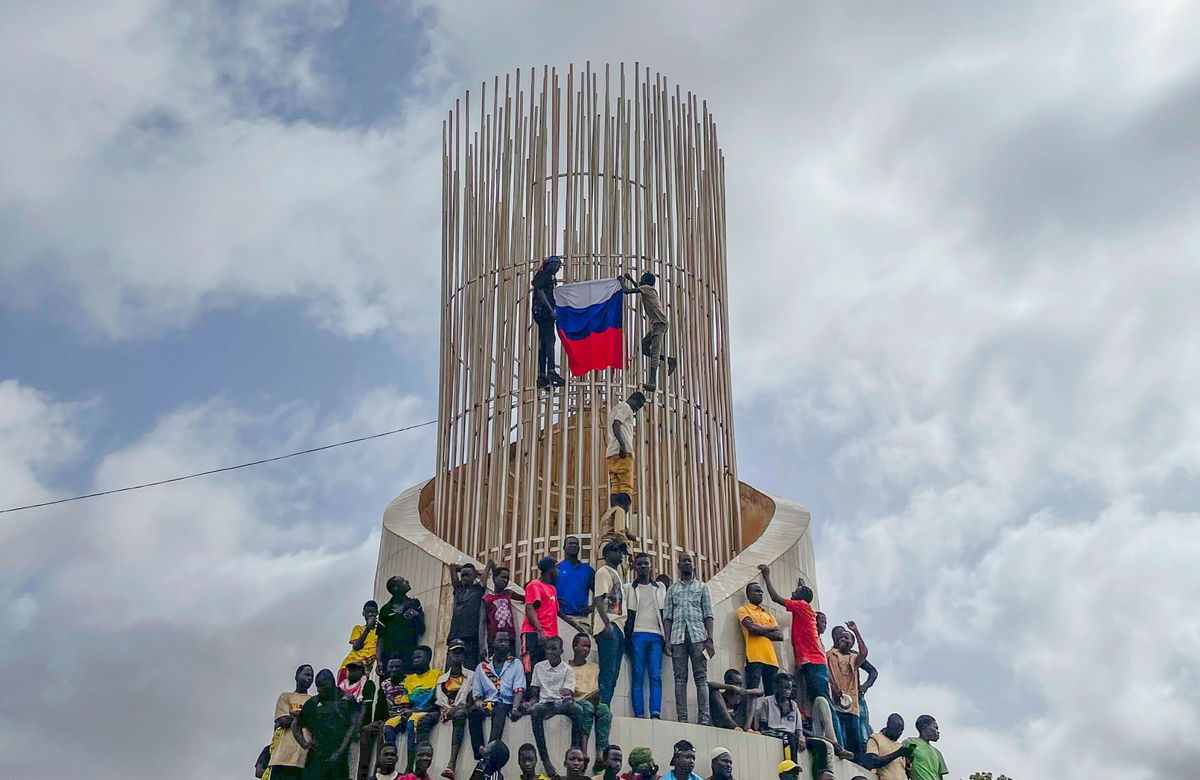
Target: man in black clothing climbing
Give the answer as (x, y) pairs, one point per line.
(546, 318)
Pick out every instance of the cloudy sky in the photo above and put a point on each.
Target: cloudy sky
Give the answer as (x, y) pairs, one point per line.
(963, 251)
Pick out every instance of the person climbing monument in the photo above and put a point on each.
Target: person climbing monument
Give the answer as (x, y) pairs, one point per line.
(546, 318)
(656, 318)
(619, 461)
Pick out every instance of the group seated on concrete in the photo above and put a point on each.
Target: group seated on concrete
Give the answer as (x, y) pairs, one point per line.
(374, 717)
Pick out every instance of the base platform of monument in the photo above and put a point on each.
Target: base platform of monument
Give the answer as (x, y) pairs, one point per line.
(408, 547)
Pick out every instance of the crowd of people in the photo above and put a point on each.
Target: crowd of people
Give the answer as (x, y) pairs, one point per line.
(372, 718)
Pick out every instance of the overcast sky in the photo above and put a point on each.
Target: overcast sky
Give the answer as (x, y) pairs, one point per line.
(963, 251)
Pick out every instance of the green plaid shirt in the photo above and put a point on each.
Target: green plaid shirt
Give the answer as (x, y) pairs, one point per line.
(688, 605)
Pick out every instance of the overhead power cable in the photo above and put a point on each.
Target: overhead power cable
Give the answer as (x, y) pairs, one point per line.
(218, 471)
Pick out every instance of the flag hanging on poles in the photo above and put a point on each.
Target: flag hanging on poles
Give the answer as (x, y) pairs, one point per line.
(589, 324)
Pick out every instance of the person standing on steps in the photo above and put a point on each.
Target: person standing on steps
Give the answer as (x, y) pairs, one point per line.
(467, 616)
(453, 693)
(541, 609)
(551, 693)
(656, 318)
(400, 625)
(619, 462)
(546, 318)
(844, 663)
(812, 670)
(760, 630)
(688, 622)
(574, 585)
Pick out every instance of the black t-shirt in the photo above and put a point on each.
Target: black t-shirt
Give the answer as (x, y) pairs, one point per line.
(464, 617)
(328, 721)
(397, 632)
(543, 281)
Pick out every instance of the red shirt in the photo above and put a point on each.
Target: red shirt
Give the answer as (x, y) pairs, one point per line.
(805, 642)
(547, 611)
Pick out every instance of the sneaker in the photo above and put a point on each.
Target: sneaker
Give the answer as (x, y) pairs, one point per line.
(543, 383)
(649, 387)
(555, 379)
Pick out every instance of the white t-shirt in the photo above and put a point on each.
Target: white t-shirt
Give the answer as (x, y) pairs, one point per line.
(551, 680)
(646, 602)
(621, 413)
(609, 583)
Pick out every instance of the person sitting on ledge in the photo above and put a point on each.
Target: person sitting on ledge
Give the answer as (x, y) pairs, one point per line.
(424, 758)
(592, 711)
(421, 688)
(778, 716)
(527, 762)
(498, 687)
(721, 764)
(683, 761)
(453, 692)
(552, 687)
(362, 642)
(609, 767)
(387, 765)
(731, 705)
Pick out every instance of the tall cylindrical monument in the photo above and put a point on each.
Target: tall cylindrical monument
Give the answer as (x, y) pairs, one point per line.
(617, 172)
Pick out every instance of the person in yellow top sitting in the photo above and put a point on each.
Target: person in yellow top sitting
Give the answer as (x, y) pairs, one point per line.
(420, 687)
(362, 643)
(761, 630)
(587, 695)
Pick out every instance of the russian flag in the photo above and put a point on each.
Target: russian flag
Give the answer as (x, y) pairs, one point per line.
(589, 324)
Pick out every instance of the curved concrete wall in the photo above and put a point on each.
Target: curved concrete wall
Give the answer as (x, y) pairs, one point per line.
(407, 547)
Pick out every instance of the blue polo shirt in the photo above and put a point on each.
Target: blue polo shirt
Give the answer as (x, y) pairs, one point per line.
(574, 582)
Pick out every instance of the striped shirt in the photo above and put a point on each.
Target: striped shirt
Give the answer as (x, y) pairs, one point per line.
(688, 605)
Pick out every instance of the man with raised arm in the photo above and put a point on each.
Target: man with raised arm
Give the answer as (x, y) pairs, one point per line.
(656, 318)
(688, 622)
(844, 663)
(812, 668)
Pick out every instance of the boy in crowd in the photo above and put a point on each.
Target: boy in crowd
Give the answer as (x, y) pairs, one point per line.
(610, 608)
(527, 763)
(760, 631)
(688, 622)
(730, 704)
(498, 604)
(362, 642)
(618, 461)
(778, 716)
(683, 761)
(645, 636)
(466, 613)
(391, 707)
(387, 765)
(400, 625)
(541, 609)
(552, 687)
(592, 711)
(453, 693)
(498, 688)
(362, 691)
(576, 761)
(424, 758)
(609, 767)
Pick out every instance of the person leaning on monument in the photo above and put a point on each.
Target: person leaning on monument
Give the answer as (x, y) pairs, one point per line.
(619, 462)
(656, 317)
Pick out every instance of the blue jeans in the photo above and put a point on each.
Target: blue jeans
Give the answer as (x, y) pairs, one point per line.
(849, 736)
(610, 649)
(816, 680)
(646, 659)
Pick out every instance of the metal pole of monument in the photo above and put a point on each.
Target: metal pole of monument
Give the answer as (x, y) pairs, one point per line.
(619, 173)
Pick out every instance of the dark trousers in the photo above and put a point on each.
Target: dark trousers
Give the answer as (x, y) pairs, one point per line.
(758, 672)
(790, 740)
(287, 772)
(498, 717)
(681, 654)
(461, 722)
(851, 739)
(319, 767)
(610, 650)
(546, 710)
(546, 335)
(533, 647)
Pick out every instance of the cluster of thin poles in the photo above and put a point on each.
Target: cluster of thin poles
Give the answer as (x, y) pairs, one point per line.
(616, 175)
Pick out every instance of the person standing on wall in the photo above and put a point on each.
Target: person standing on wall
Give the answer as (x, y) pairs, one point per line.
(400, 625)
(688, 622)
(844, 663)
(610, 608)
(760, 630)
(467, 615)
(574, 585)
(645, 600)
(541, 610)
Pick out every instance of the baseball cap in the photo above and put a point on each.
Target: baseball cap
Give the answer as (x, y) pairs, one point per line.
(787, 765)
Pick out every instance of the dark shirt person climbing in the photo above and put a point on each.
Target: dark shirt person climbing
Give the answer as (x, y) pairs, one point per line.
(546, 318)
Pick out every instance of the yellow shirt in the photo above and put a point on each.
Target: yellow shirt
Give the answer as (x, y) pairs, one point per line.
(881, 746)
(759, 649)
(288, 752)
(367, 654)
(587, 680)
